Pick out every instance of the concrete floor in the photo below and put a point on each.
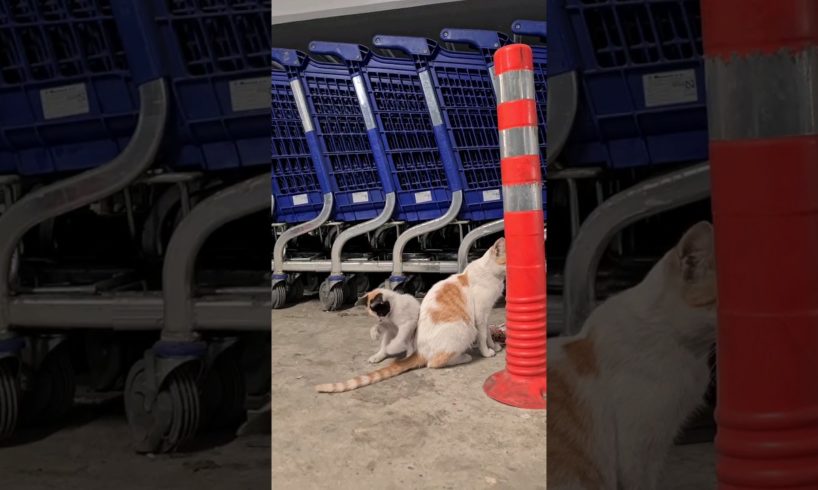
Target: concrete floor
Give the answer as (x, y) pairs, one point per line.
(423, 429)
(91, 451)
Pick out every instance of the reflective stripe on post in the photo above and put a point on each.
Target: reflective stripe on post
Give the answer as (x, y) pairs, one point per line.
(523, 383)
(762, 81)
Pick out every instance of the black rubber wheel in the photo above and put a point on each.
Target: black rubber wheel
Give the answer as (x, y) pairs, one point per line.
(9, 400)
(295, 290)
(279, 298)
(224, 393)
(173, 417)
(332, 298)
(105, 356)
(48, 393)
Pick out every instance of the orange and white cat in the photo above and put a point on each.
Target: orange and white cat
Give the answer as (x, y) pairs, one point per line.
(453, 315)
(620, 390)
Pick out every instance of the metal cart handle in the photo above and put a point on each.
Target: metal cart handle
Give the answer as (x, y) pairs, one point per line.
(345, 51)
(530, 28)
(476, 38)
(288, 57)
(413, 46)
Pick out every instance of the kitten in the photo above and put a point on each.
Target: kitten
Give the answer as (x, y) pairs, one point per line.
(453, 314)
(397, 316)
(620, 390)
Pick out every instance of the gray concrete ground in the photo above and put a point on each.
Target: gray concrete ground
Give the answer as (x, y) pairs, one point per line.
(91, 451)
(423, 429)
(431, 429)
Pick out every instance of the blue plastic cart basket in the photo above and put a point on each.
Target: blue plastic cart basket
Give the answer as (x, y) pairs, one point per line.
(641, 80)
(219, 68)
(296, 189)
(340, 144)
(67, 100)
(465, 116)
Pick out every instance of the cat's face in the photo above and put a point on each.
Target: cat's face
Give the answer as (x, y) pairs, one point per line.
(376, 304)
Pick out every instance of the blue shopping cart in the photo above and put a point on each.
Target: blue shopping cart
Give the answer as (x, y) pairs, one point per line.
(84, 85)
(67, 97)
(633, 72)
(348, 161)
(297, 192)
(219, 69)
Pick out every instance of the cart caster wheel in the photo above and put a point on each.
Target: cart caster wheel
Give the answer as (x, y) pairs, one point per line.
(48, 392)
(279, 298)
(9, 400)
(171, 419)
(223, 393)
(332, 297)
(295, 291)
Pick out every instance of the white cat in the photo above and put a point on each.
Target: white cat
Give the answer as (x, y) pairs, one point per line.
(397, 316)
(620, 390)
(453, 315)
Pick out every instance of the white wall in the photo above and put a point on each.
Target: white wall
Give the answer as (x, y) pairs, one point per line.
(297, 10)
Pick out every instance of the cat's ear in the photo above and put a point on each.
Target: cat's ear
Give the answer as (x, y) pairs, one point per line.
(362, 300)
(695, 251)
(499, 247)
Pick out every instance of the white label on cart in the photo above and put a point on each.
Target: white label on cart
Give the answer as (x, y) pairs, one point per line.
(492, 195)
(250, 94)
(421, 197)
(360, 197)
(300, 199)
(670, 87)
(68, 100)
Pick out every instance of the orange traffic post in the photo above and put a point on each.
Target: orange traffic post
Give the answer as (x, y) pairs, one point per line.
(523, 383)
(762, 85)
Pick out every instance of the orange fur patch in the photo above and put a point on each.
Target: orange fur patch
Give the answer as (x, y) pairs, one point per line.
(440, 360)
(582, 355)
(463, 279)
(568, 428)
(451, 305)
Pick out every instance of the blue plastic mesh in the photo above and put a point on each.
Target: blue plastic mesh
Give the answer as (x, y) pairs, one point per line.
(341, 126)
(66, 99)
(407, 127)
(643, 32)
(467, 97)
(292, 166)
(628, 114)
(210, 46)
(219, 36)
(51, 39)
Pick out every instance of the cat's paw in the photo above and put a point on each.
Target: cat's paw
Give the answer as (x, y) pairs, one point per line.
(375, 359)
(488, 353)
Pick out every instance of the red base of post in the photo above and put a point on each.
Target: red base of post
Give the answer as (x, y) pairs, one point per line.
(520, 392)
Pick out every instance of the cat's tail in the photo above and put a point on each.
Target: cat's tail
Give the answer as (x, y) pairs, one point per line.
(400, 366)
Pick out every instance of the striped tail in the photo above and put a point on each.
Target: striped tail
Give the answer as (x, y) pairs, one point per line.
(398, 367)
